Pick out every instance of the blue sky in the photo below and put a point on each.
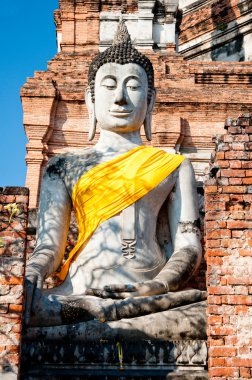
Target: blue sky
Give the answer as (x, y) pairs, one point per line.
(28, 42)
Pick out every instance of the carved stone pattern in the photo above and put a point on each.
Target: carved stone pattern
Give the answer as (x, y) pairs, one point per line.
(189, 227)
(128, 248)
(144, 352)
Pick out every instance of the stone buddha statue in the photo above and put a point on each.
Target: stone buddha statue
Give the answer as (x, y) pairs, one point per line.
(119, 189)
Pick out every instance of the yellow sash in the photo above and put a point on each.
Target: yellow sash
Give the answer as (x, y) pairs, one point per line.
(112, 186)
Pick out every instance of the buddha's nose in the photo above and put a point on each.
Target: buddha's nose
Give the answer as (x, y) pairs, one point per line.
(120, 96)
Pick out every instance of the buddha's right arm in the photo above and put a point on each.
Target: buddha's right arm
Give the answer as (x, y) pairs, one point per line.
(53, 223)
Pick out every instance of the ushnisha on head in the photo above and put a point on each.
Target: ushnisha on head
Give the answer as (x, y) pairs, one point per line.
(117, 61)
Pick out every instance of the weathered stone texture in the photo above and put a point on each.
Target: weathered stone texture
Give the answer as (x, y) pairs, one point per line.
(229, 254)
(216, 30)
(12, 266)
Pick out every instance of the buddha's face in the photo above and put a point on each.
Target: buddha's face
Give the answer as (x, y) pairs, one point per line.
(121, 97)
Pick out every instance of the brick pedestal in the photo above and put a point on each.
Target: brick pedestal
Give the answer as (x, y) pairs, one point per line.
(229, 253)
(13, 223)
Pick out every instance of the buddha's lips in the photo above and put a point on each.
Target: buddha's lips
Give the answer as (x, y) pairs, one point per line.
(120, 112)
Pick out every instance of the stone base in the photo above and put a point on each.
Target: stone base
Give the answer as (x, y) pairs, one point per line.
(144, 359)
(102, 373)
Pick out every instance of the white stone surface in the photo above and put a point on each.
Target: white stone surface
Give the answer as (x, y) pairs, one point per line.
(141, 26)
(120, 108)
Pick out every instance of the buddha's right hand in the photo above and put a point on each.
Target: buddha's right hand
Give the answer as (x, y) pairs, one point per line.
(34, 279)
(137, 289)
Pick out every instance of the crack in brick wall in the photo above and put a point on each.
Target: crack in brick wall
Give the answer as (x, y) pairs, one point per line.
(228, 223)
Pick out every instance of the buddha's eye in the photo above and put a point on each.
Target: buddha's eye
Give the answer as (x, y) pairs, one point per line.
(133, 84)
(109, 83)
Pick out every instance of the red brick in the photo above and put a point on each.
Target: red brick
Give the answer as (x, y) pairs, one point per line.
(215, 261)
(240, 362)
(245, 350)
(17, 328)
(235, 181)
(216, 206)
(231, 340)
(245, 252)
(237, 234)
(248, 173)
(237, 146)
(215, 300)
(247, 181)
(15, 308)
(248, 129)
(216, 215)
(12, 359)
(220, 156)
(239, 224)
(213, 243)
(235, 164)
(215, 224)
(247, 197)
(241, 138)
(242, 280)
(216, 362)
(237, 300)
(215, 319)
(248, 234)
(215, 342)
(235, 189)
(234, 130)
(222, 371)
(218, 234)
(210, 189)
(222, 351)
(217, 252)
(12, 349)
(223, 163)
(220, 290)
(237, 155)
(246, 164)
(245, 372)
(11, 280)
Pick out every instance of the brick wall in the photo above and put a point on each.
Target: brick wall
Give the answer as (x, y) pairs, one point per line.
(13, 223)
(228, 223)
(211, 16)
(216, 30)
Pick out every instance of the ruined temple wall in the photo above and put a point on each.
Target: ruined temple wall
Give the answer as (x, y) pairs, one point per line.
(216, 30)
(228, 224)
(13, 232)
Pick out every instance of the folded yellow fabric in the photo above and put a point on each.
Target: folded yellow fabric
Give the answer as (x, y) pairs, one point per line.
(112, 186)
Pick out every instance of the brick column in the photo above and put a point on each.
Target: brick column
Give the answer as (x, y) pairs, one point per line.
(13, 225)
(229, 253)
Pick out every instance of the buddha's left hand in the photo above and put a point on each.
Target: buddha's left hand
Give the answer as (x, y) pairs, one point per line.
(137, 289)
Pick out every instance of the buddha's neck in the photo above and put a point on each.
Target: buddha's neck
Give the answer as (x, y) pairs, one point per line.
(118, 142)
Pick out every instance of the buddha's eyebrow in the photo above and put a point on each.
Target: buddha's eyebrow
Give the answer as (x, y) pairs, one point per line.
(108, 77)
(133, 77)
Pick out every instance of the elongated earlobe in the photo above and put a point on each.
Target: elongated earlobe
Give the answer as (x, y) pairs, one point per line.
(91, 112)
(147, 126)
(148, 117)
(92, 126)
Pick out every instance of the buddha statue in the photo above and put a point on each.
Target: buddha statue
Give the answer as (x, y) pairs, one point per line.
(118, 188)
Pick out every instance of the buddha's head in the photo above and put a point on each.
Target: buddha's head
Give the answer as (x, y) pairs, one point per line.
(120, 93)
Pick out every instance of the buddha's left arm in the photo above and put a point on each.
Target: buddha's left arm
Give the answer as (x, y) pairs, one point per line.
(184, 228)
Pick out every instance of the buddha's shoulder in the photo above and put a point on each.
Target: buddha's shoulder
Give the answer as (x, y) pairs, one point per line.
(66, 163)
